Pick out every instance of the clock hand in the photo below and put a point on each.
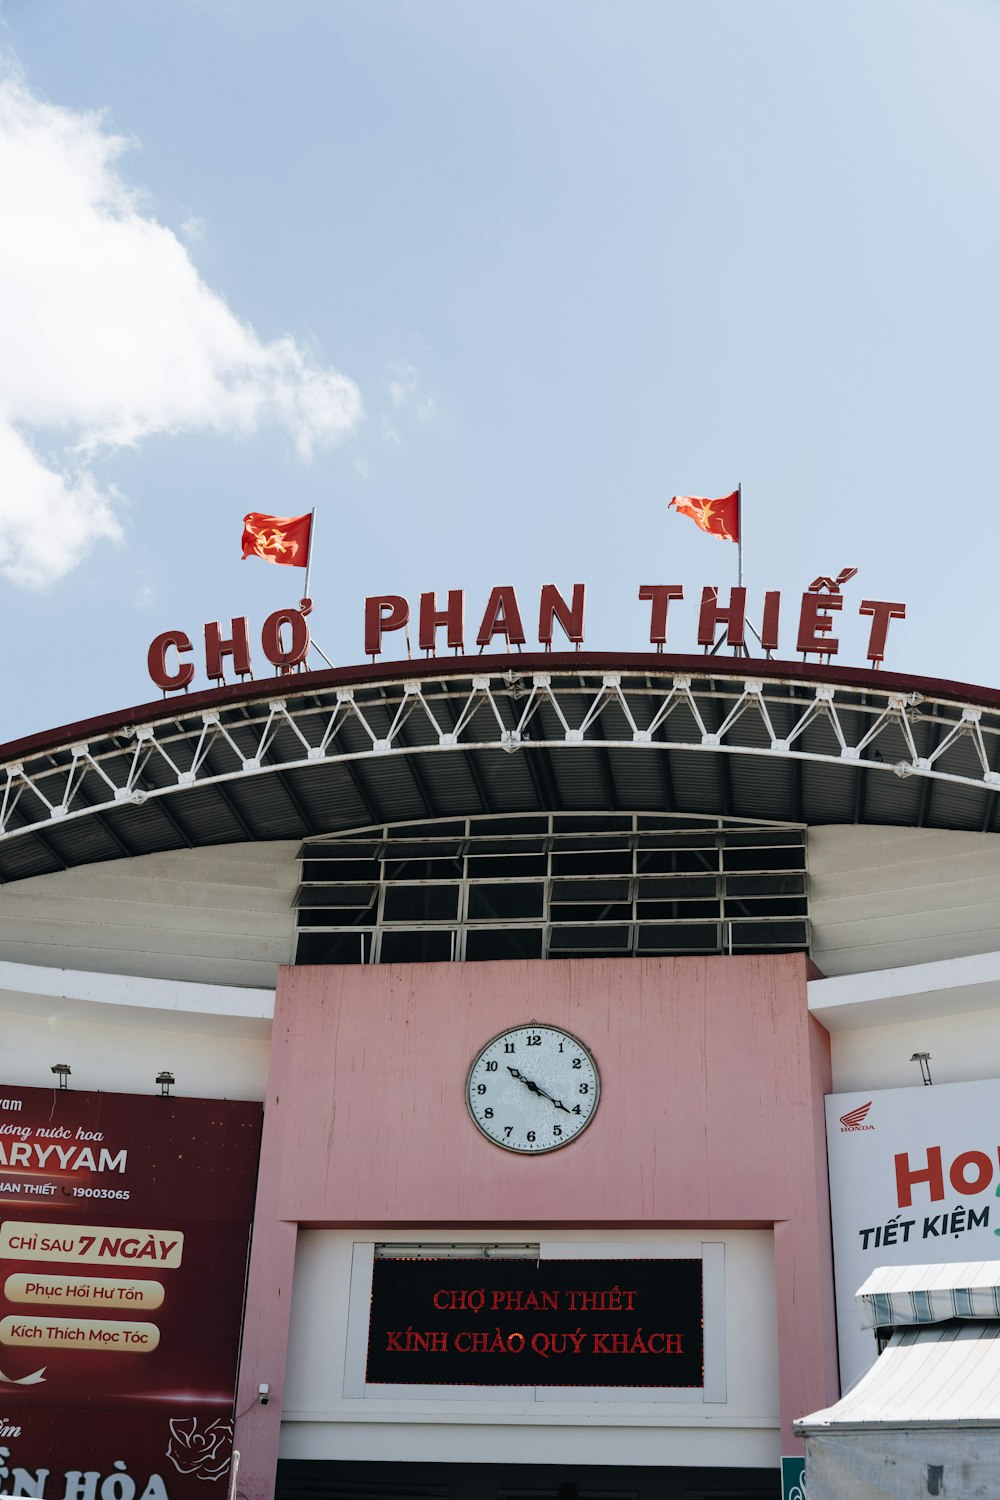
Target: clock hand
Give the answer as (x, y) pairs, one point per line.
(536, 1089)
(528, 1082)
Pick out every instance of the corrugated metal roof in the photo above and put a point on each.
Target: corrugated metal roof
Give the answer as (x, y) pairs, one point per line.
(941, 1376)
(319, 752)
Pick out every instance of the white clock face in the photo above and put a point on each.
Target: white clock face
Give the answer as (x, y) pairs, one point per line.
(533, 1089)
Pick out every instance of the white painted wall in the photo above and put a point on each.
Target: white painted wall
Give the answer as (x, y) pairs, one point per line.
(126, 1060)
(962, 1048)
(884, 897)
(117, 1033)
(319, 1422)
(221, 915)
(878, 1020)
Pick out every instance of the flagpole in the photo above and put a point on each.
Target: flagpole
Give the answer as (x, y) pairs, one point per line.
(739, 528)
(309, 554)
(305, 603)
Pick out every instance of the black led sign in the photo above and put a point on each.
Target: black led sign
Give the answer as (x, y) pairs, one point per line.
(536, 1323)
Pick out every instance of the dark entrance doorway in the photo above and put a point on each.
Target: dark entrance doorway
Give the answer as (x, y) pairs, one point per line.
(320, 1480)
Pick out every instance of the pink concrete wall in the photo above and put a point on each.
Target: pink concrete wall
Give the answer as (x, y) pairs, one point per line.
(711, 1114)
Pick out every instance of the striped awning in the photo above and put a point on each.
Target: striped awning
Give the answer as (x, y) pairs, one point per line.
(908, 1296)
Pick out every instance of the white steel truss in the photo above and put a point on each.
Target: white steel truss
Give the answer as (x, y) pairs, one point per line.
(886, 732)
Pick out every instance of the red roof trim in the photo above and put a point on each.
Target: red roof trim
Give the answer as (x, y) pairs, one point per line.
(370, 673)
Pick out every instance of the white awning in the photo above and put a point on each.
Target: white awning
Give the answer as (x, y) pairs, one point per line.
(948, 1375)
(905, 1296)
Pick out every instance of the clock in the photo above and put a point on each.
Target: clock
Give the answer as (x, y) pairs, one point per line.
(533, 1089)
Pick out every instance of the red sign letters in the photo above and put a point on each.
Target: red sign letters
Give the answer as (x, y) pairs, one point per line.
(724, 622)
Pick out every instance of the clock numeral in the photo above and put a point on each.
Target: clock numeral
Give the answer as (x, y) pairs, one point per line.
(491, 1067)
(508, 1129)
(578, 1062)
(577, 1110)
(487, 1114)
(534, 1039)
(557, 1130)
(531, 1135)
(560, 1046)
(480, 1088)
(585, 1088)
(508, 1046)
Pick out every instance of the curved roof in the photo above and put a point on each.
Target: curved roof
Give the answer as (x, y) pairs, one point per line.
(317, 752)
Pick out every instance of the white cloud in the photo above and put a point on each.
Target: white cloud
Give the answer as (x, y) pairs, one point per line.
(403, 386)
(403, 389)
(110, 336)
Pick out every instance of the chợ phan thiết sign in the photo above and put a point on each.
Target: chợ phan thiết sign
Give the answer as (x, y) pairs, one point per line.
(722, 623)
(536, 1323)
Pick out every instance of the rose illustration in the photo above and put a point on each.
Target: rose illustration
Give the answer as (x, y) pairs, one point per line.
(204, 1453)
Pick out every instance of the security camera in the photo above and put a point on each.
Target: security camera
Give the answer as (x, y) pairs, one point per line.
(263, 1393)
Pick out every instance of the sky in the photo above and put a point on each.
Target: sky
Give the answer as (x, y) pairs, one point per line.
(485, 282)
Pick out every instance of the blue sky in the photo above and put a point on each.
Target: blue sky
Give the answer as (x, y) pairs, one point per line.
(486, 282)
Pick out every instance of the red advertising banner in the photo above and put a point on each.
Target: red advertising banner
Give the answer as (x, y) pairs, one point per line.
(124, 1231)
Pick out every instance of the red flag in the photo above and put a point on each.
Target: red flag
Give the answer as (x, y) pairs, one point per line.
(718, 517)
(277, 539)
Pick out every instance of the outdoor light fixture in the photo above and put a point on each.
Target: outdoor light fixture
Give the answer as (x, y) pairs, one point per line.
(165, 1080)
(924, 1059)
(63, 1070)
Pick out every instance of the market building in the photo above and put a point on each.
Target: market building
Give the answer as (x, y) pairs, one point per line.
(545, 968)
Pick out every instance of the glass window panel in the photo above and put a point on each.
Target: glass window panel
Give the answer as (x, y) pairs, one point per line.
(617, 912)
(677, 824)
(674, 888)
(596, 844)
(496, 866)
(676, 861)
(342, 869)
(424, 869)
(584, 823)
(777, 906)
(702, 938)
(770, 935)
(503, 942)
(333, 948)
(345, 849)
(507, 846)
(764, 859)
(764, 838)
(505, 902)
(497, 827)
(442, 849)
(401, 947)
(455, 829)
(606, 862)
(341, 916)
(590, 939)
(703, 839)
(669, 911)
(336, 895)
(765, 885)
(591, 890)
(421, 903)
